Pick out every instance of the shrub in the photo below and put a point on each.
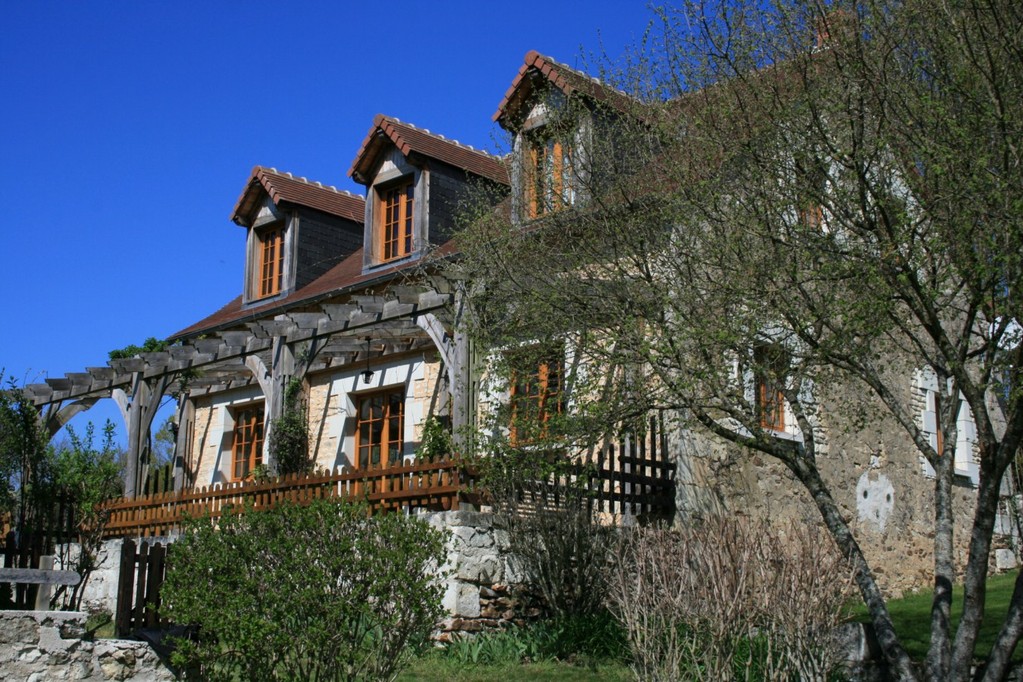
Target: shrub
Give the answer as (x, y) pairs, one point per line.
(553, 533)
(729, 599)
(86, 476)
(322, 591)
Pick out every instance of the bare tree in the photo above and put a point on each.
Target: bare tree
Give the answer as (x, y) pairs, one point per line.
(802, 193)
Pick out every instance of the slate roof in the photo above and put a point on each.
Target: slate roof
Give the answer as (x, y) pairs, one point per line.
(410, 139)
(565, 78)
(286, 188)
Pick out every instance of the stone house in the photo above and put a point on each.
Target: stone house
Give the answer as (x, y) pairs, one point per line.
(338, 296)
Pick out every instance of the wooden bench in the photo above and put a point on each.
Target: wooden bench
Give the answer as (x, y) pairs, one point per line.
(44, 576)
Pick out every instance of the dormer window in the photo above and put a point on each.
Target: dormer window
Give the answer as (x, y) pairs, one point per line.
(547, 180)
(269, 279)
(395, 223)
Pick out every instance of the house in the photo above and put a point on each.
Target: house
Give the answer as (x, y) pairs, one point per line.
(319, 261)
(339, 302)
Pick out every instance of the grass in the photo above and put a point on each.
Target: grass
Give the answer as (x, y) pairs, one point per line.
(446, 669)
(912, 616)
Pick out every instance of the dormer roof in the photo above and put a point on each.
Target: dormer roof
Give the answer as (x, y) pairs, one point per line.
(284, 187)
(412, 140)
(538, 68)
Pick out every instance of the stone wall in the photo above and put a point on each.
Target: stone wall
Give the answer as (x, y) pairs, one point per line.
(49, 645)
(481, 575)
(100, 592)
(874, 472)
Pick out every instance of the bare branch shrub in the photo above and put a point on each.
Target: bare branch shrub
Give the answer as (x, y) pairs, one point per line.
(562, 548)
(729, 599)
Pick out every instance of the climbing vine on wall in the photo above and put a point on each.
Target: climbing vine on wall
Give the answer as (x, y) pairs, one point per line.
(289, 434)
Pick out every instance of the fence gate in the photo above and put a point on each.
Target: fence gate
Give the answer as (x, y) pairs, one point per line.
(138, 587)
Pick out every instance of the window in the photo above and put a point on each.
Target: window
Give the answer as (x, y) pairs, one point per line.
(380, 429)
(536, 392)
(770, 365)
(394, 220)
(270, 275)
(934, 397)
(547, 177)
(811, 187)
(247, 441)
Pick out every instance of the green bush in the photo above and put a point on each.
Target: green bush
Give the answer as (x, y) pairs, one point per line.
(322, 592)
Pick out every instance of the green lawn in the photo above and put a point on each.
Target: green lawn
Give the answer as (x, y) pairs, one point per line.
(912, 616)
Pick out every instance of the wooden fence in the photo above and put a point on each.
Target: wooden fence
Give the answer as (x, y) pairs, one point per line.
(22, 548)
(142, 573)
(633, 476)
(425, 485)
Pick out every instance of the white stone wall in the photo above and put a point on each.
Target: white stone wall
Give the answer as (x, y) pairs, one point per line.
(100, 593)
(48, 645)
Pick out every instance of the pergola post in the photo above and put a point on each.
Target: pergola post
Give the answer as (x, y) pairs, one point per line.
(138, 412)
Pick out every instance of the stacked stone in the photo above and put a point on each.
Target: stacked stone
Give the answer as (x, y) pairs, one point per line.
(51, 645)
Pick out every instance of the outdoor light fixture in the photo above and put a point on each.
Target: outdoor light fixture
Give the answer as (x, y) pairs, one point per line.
(367, 374)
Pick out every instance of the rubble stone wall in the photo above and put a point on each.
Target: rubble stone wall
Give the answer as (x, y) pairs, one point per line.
(481, 575)
(875, 474)
(49, 645)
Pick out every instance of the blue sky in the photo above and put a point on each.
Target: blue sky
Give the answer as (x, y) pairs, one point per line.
(130, 128)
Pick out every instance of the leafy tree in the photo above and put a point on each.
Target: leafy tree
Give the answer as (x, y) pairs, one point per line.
(25, 463)
(150, 345)
(803, 194)
(37, 481)
(298, 592)
(163, 443)
(86, 477)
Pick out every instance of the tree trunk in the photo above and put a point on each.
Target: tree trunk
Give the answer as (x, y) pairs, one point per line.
(976, 569)
(901, 665)
(939, 655)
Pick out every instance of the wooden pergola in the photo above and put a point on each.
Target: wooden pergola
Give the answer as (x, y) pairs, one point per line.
(270, 352)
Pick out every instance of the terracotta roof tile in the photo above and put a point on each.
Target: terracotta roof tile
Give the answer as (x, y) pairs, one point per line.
(285, 187)
(565, 78)
(408, 138)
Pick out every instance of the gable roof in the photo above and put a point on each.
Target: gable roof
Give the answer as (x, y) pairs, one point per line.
(286, 188)
(565, 78)
(410, 139)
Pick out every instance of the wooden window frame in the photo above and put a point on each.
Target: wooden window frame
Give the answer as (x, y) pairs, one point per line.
(246, 441)
(268, 275)
(391, 451)
(537, 391)
(546, 176)
(395, 220)
(811, 185)
(939, 440)
(768, 396)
